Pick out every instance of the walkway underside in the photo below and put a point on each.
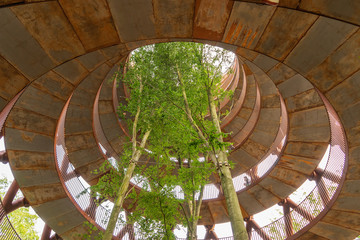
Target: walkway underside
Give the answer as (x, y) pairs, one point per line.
(297, 67)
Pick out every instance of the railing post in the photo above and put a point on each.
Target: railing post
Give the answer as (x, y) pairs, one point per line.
(46, 233)
(287, 218)
(249, 226)
(250, 223)
(299, 210)
(321, 186)
(210, 234)
(4, 157)
(8, 202)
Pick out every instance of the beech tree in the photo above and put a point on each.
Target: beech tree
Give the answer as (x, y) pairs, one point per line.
(192, 73)
(175, 95)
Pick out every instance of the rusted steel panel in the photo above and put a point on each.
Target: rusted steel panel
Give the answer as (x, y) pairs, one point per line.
(280, 73)
(41, 194)
(254, 149)
(322, 39)
(80, 141)
(264, 62)
(349, 220)
(242, 160)
(92, 22)
(66, 221)
(55, 85)
(28, 141)
(288, 176)
(27, 120)
(289, 3)
(218, 212)
(73, 234)
(341, 64)
(310, 134)
(20, 48)
(92, 60)
(276, 187)
(73, 71)
(346, 93)
(36, 177)
(300, 164)
(211, 17)
(284, 31)
(114, 51)
(246, 53)
(304, 100)
(247, 23)
(265, 197)
(174, 18)
(293, 86)
(311, 117)
(249, 203)
(332, 231)
(33, 99)
(305, 149)
(87, 171)
(134, 19)
(48, 24)
(347, 10)
(82, 157)
(12, 81)
(31, 160)
(311, 236)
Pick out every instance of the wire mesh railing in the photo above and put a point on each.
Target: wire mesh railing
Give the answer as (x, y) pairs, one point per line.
(7, 230)
(298, 220)
(329, 182)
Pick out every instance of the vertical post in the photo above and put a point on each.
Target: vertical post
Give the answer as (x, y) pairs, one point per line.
(46, 233)
(287, 217)
(321, 186)
(210, 234)
(4, 157)
(249, 226)
(300, 210)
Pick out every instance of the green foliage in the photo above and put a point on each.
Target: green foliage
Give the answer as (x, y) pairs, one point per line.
(21, 219)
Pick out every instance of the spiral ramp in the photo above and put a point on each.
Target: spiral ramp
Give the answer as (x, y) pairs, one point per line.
(295, 82)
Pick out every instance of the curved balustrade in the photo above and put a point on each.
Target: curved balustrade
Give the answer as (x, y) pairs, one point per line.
(7, 231)
(294, 222)
(78, 194)
(329, 182)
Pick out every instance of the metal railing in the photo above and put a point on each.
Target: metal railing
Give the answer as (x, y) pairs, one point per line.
(316, 204)
(7, 230)
(290, 226)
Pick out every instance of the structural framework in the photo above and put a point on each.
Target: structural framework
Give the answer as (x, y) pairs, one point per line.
(296, 80)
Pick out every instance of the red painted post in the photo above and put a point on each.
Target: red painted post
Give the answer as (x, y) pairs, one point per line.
(4, 157)
(287, 217)
(46, 233)
(300, 210)
(210, 234)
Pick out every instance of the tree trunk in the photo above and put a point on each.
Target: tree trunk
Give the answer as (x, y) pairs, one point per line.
(232, 202)
(119, 200)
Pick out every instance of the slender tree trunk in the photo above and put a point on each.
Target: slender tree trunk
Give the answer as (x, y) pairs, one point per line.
(219, 157)
(232, 202)
(120, 196)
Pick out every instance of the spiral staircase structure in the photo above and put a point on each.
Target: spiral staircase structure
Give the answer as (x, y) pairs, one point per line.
(296, 86)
